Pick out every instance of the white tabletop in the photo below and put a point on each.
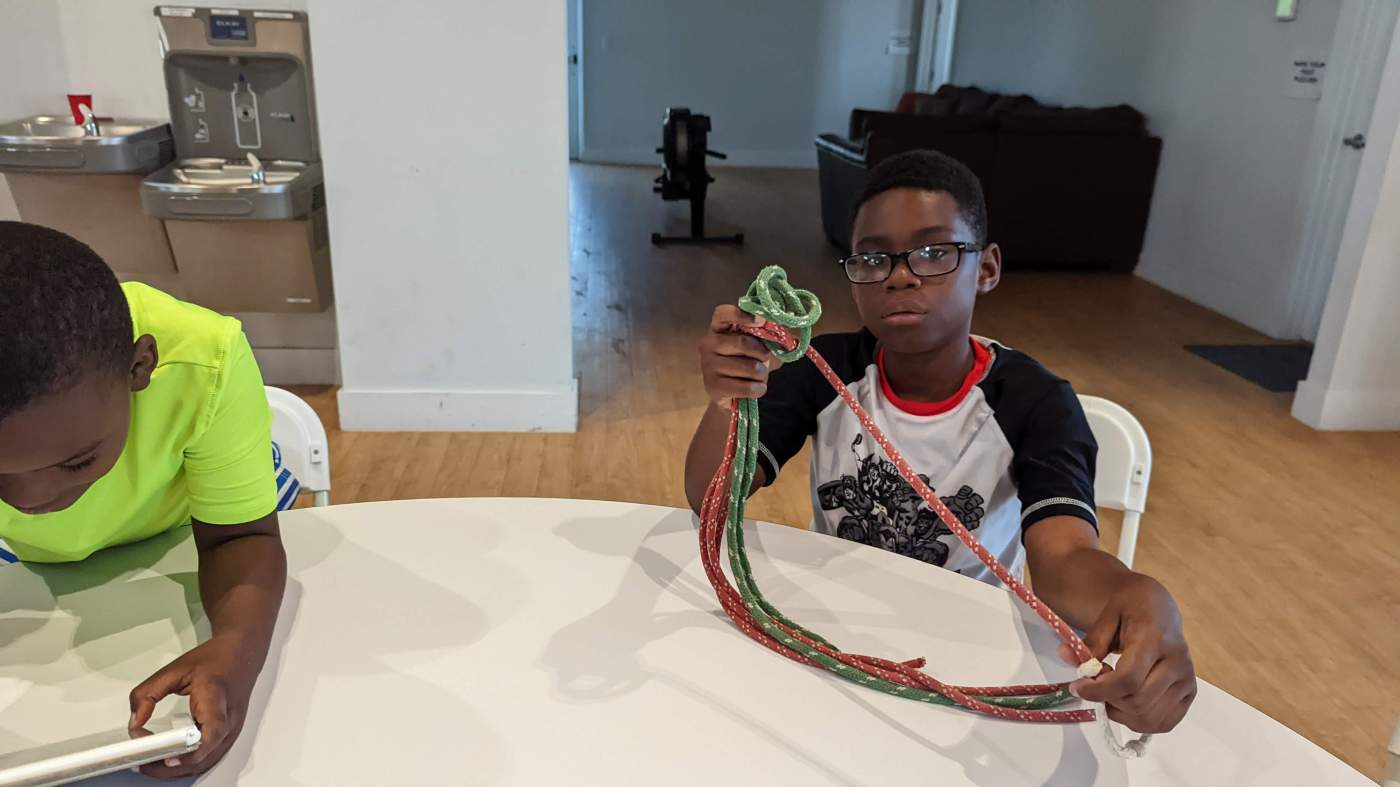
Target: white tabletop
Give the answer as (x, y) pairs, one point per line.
(524, 641)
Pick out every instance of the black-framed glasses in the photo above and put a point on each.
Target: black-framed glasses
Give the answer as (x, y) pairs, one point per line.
(935, 259)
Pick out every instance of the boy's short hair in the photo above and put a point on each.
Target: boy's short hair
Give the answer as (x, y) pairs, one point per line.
(929, 170)
(62, 315)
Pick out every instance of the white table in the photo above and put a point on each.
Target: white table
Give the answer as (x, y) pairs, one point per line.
(544, 642)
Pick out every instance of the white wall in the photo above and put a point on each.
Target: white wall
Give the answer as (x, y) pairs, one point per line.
(107, 48)
(113, 52)
(771, 73)
(1354, 381)
(110, 49)
(1086, 52)
(451, 248)
(1210, 77)
(31, 45)
(432, 257)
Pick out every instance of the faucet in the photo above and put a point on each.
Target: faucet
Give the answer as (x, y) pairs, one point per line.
(89, 121)
(259, 175)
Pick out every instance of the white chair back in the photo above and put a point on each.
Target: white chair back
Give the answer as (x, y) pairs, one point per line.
(1124, 467)
(299, 434)
(1392, 771)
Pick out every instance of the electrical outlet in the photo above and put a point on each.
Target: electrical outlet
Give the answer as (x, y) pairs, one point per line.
(899, 44)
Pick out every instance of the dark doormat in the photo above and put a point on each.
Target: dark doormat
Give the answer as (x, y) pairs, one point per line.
(1274, 367)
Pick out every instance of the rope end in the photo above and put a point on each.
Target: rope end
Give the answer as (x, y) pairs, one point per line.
(1090, 668)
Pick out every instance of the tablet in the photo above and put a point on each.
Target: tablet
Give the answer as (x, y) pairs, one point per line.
(94, 755)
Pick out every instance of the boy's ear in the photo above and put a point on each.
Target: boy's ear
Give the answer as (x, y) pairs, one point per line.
(144, 357)
(988, 269)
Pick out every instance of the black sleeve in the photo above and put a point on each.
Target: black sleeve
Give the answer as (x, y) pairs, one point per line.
(786, 414)
(1054, 460)
(797, 393)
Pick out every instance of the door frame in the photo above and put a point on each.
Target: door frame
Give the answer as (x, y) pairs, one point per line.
(937, 33)
(1358, 55)
(1323, 401)
(573, 47)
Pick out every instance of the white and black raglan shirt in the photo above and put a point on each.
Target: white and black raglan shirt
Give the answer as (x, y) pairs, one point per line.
(1011, 448)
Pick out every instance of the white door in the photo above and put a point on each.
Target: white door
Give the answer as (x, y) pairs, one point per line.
(1358, 54)
(575, 92)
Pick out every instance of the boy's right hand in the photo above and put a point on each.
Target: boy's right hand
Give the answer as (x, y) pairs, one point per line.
(734, 364)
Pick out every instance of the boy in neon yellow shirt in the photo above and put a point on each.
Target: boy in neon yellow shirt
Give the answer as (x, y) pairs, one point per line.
(125, 413)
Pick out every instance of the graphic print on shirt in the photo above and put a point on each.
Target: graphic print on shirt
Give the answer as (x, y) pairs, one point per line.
(883, 510)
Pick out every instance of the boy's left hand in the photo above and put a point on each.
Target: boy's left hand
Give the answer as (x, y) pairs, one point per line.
(218, 688)
(1154, 682)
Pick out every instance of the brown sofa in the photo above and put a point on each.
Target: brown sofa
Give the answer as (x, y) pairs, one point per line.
(1065, 186)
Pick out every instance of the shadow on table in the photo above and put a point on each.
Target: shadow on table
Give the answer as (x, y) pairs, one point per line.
(378, 626)
(108, 596)
(384, 619)
(595, 658)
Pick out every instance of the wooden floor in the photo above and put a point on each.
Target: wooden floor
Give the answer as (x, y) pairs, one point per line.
(1282, 544)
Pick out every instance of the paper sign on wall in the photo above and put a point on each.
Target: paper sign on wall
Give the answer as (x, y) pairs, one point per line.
(1305, 73)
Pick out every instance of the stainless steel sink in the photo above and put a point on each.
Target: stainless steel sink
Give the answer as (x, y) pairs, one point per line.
(46, 143)
(206, 173)
(211, 188)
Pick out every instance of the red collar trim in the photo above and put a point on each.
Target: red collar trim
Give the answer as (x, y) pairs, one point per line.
(981, 359)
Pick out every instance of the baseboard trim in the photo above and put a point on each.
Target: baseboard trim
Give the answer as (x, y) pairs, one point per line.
(298, 366)
(462, 410)
(1333, 410)
(777, 159)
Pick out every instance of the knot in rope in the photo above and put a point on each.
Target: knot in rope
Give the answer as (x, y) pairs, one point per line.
(774, 299)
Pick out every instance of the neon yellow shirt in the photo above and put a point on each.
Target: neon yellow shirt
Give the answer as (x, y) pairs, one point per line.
(200, 444)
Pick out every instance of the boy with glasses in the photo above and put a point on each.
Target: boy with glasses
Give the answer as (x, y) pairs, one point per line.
(1002, 440)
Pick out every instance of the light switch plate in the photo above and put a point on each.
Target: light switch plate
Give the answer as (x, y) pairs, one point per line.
(900, 44)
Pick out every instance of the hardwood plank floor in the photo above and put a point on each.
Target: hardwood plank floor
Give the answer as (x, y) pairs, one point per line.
(1281, 543)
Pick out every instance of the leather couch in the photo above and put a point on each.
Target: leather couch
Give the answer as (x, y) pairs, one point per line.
(1066, 187)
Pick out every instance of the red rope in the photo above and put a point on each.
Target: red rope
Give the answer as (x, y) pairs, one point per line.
(712, 519)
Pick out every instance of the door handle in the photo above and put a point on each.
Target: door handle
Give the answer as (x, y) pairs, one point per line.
(1357, 141)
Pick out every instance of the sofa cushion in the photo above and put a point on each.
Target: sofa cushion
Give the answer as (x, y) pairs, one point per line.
(949, 100)
(974, 101)
(1004, 104)
(878, 122)
(1121, 120)
(906, 101)
(929, 104)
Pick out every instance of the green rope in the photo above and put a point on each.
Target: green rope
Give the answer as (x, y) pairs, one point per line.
(774, 299)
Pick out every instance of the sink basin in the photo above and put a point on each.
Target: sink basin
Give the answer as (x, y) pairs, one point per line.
(234, 174)
(46, 143)
(219, 189)
(50, 130)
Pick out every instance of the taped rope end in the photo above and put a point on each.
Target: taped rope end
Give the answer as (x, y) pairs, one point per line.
(1090, 668)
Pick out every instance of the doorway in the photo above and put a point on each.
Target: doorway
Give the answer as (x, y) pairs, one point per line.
(1359, 50)
(937, 31)
(574, 49)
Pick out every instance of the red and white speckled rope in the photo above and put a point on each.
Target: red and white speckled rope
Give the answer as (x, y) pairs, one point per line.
(712, 515)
